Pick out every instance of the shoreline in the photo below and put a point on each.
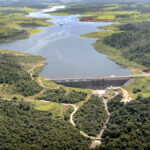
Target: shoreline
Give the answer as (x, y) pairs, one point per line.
(89, 75)
(112, 53)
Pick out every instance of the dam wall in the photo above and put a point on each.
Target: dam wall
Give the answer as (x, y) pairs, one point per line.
(95, 83)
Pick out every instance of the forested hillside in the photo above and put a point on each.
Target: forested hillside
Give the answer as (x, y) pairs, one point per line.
(129, 126)
(23, 127)
(126, 43)
(133, 43)
(91, 116)
(60, 96)
(14, 75)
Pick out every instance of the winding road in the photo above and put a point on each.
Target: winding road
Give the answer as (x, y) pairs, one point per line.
(34, 65)
(96, 142)
(72, 114)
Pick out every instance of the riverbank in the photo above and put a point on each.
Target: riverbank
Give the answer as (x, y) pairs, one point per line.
(94, 19)
(62, 41)
(16, 25)
(113, 53)
(119, 13)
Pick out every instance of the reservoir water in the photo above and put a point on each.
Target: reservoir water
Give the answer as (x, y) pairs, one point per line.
(66, 53)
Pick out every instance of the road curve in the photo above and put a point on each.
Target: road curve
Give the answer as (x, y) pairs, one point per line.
(72, 121)
(99, 136)
(126, 96)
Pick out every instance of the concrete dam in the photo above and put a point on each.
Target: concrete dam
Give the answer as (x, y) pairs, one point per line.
(93, 83)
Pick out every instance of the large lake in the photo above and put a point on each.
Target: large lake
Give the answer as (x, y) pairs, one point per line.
(66, 53)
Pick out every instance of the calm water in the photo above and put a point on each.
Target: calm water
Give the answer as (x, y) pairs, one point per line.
(67, 54)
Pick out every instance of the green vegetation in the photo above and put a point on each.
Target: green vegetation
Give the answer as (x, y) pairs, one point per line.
(27, 58)
(129, 125)
(114, 15)
(60, 96)
(45, 123)
(55, 108)
(48, 83)
(113, 27)
(23, 127)
(8, 34)
(70, 89)
(111, 52)
(34, 31)
(128, 45)
(133, 43)
(15, 76)
(79, 9)
(140, 87)
(110, 92)
(115, 55)
(99, 34)
(114, 12)
(67, 113)
(13, 19)
(91, 116)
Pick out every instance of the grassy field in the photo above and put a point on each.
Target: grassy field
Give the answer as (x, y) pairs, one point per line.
(140, 87)
(111, 14)
(117, 12)
(69, 89)
(99, 34)
(48, 83)
(113, 27)
(55, 108)
(34, 31)
(13, 19)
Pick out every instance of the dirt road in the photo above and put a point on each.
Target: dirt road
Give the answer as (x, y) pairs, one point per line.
(99, 136)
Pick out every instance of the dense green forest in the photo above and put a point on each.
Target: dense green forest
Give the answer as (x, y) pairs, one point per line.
(23, 127)
(67, 114)
(129, 125)
(7, 34)
(60, 96)
(91, 116)
(13, 74)
(133, 43)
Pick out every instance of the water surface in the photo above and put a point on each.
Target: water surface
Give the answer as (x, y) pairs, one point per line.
(67, 54)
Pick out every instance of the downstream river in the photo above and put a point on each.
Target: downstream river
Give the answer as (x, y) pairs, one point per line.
(66, 53)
